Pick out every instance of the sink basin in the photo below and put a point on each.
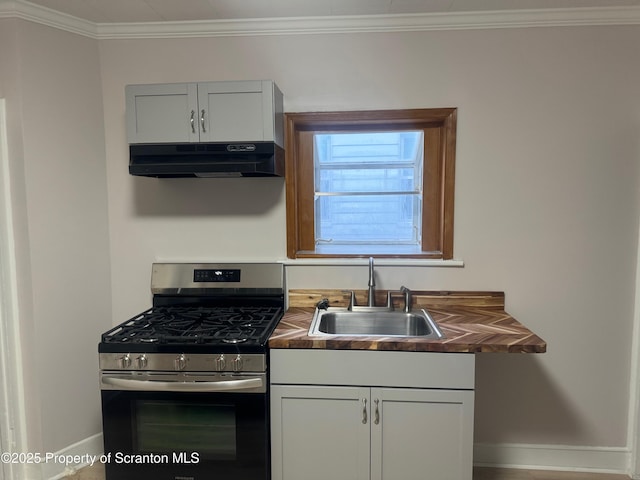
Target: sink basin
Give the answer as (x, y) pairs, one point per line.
(372, 323)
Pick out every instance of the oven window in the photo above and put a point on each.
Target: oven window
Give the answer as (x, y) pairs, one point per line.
(166, 427)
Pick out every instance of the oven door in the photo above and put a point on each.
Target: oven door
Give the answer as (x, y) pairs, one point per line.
(169, 426)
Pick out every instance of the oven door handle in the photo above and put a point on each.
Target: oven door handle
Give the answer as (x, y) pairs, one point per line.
(157, 386)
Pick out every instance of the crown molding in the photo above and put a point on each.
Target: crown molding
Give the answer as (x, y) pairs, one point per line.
(46, 16)
(593, 16)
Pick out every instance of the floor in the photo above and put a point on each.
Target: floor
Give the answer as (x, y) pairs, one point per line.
(513, 474)
(97, 473)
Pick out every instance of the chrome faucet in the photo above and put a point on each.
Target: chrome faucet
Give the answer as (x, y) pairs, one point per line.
(371, 300)
(372, 285)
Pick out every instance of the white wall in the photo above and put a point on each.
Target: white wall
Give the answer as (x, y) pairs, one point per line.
(56, 147)
(546, 201)
(546, 194)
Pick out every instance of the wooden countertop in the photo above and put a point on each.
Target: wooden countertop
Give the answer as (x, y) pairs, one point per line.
(472, 322)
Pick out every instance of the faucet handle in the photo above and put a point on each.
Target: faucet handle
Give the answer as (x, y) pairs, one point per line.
(352, 300)
(407, 298)
(389, 299)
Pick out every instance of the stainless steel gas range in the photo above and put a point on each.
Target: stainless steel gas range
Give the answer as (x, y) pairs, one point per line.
(184, 385)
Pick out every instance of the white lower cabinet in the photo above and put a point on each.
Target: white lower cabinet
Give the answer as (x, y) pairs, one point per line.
(362, 432)
(318, 433)
(422, 434)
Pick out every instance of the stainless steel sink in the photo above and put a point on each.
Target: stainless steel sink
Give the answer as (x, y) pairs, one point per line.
(374, 322)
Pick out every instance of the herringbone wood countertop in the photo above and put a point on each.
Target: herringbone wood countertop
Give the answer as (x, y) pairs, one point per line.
(472, 322)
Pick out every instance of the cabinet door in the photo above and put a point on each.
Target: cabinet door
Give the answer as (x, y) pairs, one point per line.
(235, 112)
(320, 433)
(163, 113)
(421, 434)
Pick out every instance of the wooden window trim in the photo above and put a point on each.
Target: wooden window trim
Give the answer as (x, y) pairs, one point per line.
(439, 125)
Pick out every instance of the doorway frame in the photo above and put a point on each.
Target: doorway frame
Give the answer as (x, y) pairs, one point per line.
(12, 411)
(633, 432)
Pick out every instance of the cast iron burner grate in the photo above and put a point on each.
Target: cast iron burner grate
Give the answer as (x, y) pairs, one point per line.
(196, 325)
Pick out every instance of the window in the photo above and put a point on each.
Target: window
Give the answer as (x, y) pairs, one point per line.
(371, 183)
(368, 191)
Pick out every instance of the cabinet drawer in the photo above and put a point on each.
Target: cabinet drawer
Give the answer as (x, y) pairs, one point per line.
(373, 368)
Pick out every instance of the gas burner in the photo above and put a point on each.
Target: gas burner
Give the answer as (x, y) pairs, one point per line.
(200, 325)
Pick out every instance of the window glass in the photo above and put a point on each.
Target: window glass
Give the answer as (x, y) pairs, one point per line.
(368, 188)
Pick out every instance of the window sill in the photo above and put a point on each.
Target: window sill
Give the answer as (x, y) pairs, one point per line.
(393, 262)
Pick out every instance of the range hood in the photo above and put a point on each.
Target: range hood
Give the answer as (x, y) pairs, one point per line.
(255, 159)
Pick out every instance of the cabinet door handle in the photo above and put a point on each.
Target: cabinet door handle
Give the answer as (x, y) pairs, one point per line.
(376, 416)
(193, 121)
(364, 410)
(204, 130)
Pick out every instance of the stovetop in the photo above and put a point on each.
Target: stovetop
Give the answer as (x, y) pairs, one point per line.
(194, 329)
(204, 308)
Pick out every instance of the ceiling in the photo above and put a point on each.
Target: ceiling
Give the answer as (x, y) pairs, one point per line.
(143, 11)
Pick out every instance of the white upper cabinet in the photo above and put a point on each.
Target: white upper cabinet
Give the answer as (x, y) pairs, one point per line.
(162, 113)
(235, 111)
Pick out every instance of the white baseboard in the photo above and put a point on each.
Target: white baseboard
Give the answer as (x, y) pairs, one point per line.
(82, 450)
(553, 457)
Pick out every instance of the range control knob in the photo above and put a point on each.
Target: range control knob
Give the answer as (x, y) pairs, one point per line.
(237, 364)
(125, 361)
(221, 363)
(180, 362)
(141, 360)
